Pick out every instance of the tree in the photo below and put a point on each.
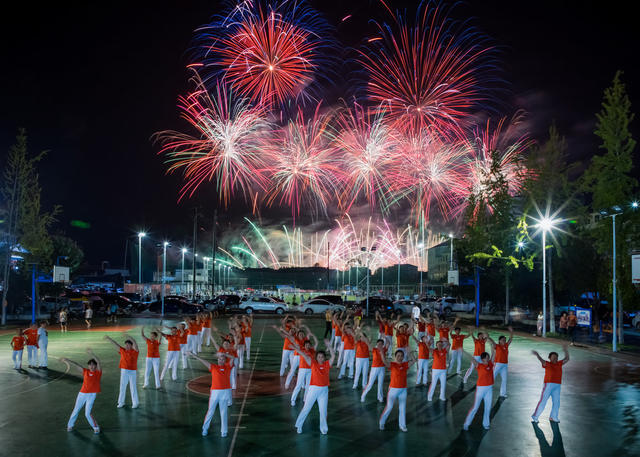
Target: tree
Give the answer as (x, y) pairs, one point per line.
(64, 246)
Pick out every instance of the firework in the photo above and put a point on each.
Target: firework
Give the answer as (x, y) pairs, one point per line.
(268, 53)
(303, 168)
(430, 74)
(225, 147)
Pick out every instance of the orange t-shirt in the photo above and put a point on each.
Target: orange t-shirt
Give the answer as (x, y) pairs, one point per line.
(439, 359)
(18, 343)
(377, 358)
(423, 351)
(421, 326)
(431, 329)
(444, 333)
(388, 329)
(153, 349)
(247, 331)
(402, 340)
(174, 342)
(362, 350)
(183, 336)
(349, 342)
(381, 326)
(220, 376)
(457, 341)
(399, 374)
(485, 374)
(311, 353)
(502, 353)
(193, 328)
(128, 359)
(32, 336)
(478, 347)
(338, 331)
(206, 323)
(553, 372)
(300, 343)
(319, 373)
(90, 381)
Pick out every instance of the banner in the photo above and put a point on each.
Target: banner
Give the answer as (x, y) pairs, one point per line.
(635, 268)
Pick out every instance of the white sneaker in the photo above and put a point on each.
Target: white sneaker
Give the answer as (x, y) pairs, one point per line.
(381, 426)
(534, 419)
(205, 433)
(120, 405)
(69, 429)
(223, 435)
(96, 431)
(487, 427)
(136, 406)
(465, 427)
(404, 429)
(361, 399)
(299, 430)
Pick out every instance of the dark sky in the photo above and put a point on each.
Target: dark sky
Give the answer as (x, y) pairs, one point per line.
(92, 81)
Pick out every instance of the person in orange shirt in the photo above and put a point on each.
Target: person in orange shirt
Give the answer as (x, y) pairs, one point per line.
(318, 387)
(32, 345)
(90, 389)
(288, 325)
(423, 359)
(298, 338)
(362, 357)
(227, 347)
(304, 371)
(431, 330)
(128, 369)
(183, 334)
(457, 342)
(199, 325)
(502, 360)
(220, 392)
(484, 389)
(377, 370)
(348, 349)
(192, 335)
(247, 326)
(552, 383)
(173, 353)
(153, 358)
(444, 328)
(339, 343)
(403, 332)
(397, 388)
(238, 336)
(17, 344)
(439, 369)
(206, 328)
(479, 343)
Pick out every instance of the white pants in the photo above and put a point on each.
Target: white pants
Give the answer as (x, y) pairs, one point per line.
(362, 368)
(32, 354)
(483, 393)
(16, 356)
(340, 352)
(437, 375)
(388, 342)
(206, 336)
(240, 360)
(315, 394)
(456, 355)
(218, 398)
(199, 341)
(192, 343)
(304, 377)
(152, 362)
(234, 376)
(552, 390)
(85, 400)
(394, 394)
(501, 369)
(286, 360)
(423, 372)
(183, 352)
(376, 374)
(171, 362)
(295, 363)
(470, 370)
(420, 335)
(44, 357)
(247, 343)
(348, 359)
(335, 342)
(128, 377)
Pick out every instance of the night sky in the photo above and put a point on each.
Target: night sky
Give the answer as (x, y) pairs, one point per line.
(92, 81)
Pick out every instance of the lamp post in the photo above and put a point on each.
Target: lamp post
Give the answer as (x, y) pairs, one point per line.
(421, 247)
(164, 270)
(546, 225)
(398, 274)
(184, 251)
(368, 253)
(206, 271)
(140, 236)
(451, 259)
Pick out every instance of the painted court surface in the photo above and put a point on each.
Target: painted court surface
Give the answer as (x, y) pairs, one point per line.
(600, 412)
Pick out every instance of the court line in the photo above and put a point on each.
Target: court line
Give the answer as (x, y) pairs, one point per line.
(41, 385)
(244, 400)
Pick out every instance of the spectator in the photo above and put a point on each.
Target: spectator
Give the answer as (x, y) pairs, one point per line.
(563, 323)
(572, 323)
(539, 323)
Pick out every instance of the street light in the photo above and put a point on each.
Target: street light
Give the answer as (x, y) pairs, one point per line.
(451, 260)
(421, 247)
(368, 253)
(140, 236)
(164, 270)
(184, 251)
(546, 224)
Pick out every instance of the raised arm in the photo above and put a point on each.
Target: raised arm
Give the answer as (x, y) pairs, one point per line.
(143, 335)
(565, 348)
(542, 361)
(314, 341)
(108, 338)
(474, 362)
(79, 367)
(94, 357)
(204, 362)
(331, 352)
(510, 335)
(412, 359)
(133, 340)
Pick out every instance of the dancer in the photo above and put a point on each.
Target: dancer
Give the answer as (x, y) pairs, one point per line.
(247, 326)
(192, 338)
(403, 333)
(339, 347)
(206, 328)
(423, 360)
(552, 383)
(153, 358)
(90, 389)
(128, 369)
(183, 338)
(444, 328)
(238, 337)
(457, 340)
(431, 329)
(318, 388)
(502, 360)
(43, 343)
(173, 353)
(479, 347)
(17, 345)
(397, 388)
(484, 389)
(348, 349)
(31, 335)
(328, 320)
(362, 357)
(439, 369)
(63, 316)
(304, 372)
(88, 316)
(421, 323)
(220, 392)
(288, 324)
(228, 347)
(377, 370)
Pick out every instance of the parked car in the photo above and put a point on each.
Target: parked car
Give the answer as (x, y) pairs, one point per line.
(448, 305)
(406, 306)
(263, 304)
(334, 299)
(380, 304)
(635, 322)
(174, 306)
(222, 303)
(318, 306)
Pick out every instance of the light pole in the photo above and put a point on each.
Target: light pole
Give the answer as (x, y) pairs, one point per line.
(206, 271)
(220, 276)
(546, 225)
(368, 253)
(398, 274)
(164, 270)
(184, 251)
(421, 247)
(140, 236)
(451, 260)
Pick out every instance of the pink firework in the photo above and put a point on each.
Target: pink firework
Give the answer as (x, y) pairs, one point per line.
(225, 146)
(367, 145)
(431, 74)
(303, 166)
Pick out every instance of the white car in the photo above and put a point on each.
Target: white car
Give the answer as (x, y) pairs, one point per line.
(448, 305)
(318, 306)
(263, 304)
(406, 306)
(635, 323)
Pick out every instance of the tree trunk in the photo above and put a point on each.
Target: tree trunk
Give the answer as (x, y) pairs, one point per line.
(620, 320)
(12, 226)
(552, 314)
(506, 295)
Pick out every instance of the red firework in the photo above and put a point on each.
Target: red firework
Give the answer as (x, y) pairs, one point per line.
(429, 75)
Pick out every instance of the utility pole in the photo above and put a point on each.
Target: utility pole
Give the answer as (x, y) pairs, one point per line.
(195, 241)
(214, 248)
(328, 269)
